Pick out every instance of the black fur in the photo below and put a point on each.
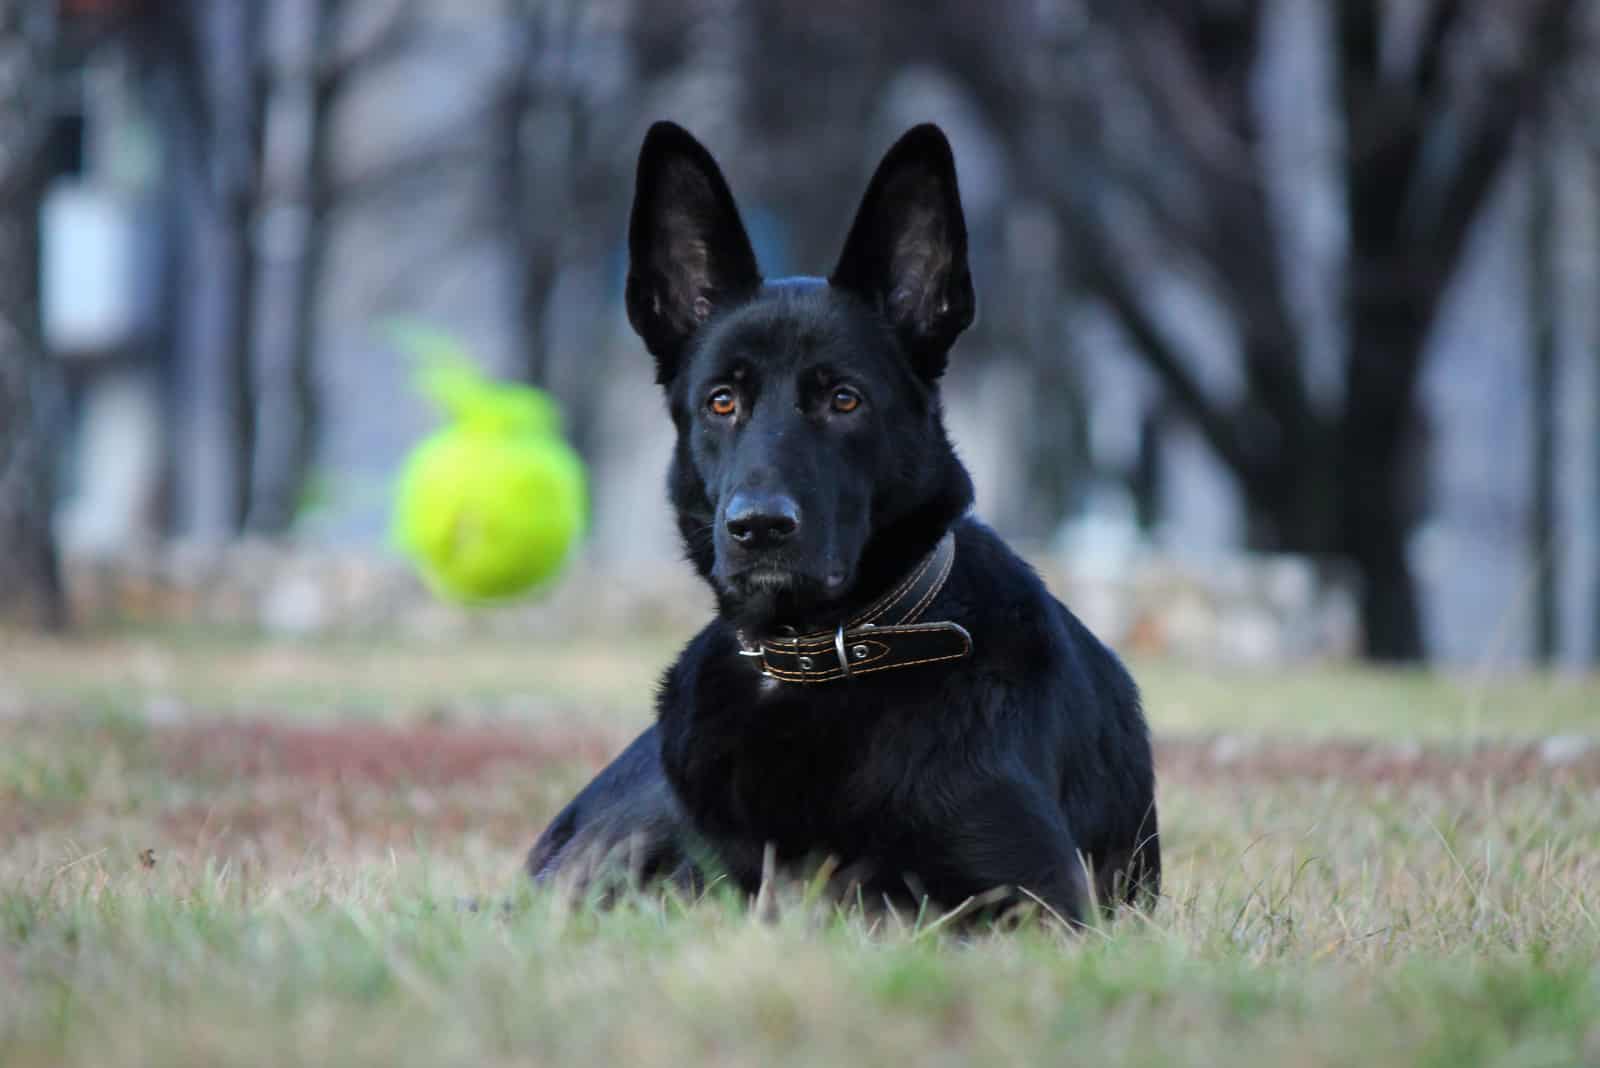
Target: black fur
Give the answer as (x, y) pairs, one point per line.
(812, 471)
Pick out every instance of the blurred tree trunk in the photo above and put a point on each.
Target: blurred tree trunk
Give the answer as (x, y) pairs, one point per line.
(30, 579)
(296, 203)
(1594, 413)
(533, 179)
(215, 125)
(1368, 477)
(1543, 287)
(237, 95)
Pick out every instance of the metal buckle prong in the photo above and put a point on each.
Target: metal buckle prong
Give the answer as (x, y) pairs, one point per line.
(838, 647)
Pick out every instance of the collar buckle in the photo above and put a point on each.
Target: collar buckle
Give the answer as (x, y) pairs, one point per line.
(838, 647)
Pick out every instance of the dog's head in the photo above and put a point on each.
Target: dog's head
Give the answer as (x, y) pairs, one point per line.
(811, 456)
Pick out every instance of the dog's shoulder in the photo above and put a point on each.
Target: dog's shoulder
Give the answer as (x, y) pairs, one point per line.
(699, 691)
(1003, 596)
(709, 647)
(1030, 631)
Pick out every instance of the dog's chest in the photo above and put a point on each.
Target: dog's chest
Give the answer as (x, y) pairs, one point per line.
(806, 769)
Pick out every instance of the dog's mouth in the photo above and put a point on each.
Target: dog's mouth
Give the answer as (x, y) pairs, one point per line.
(768, 579)
(774, 590)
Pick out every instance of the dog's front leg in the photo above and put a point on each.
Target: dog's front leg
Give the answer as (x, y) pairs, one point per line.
(1011, 836)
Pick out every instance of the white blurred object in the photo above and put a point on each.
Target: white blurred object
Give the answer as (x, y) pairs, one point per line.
(88, 286)
(118, 467)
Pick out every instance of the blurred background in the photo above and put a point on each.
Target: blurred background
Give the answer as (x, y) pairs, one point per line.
(1289, 333)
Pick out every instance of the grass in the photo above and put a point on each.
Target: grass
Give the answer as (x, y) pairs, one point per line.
(373, 966)
(162, 905)
(608, 681)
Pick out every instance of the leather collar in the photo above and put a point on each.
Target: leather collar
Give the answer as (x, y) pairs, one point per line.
(884, 636)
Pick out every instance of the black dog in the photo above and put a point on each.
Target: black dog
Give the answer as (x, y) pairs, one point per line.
(885, 682)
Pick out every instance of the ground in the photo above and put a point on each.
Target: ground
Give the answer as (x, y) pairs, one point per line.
(216, 849)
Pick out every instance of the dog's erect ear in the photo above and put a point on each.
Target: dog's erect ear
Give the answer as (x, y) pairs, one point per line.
(907, 250)
(688, 253)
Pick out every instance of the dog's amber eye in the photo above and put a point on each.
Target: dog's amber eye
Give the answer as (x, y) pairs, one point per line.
(722, 401)
(846, 400)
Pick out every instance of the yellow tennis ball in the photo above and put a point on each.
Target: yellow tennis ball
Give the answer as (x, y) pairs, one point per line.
(492, 505)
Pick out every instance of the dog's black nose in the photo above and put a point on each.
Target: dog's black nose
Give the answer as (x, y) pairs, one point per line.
(762, 520)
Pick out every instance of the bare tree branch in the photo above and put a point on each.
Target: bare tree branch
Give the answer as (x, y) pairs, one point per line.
(1108, 280)
(401, 31)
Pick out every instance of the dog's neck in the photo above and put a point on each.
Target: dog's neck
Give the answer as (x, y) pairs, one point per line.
(889, 633)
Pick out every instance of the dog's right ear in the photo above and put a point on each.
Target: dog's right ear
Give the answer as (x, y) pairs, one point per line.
(907, 250)
(688, 253)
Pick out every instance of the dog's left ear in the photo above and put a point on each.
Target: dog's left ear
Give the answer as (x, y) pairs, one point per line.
(907, 250)
(688, 253)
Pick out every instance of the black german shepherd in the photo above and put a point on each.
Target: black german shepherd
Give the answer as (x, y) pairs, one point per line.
(885, 682)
